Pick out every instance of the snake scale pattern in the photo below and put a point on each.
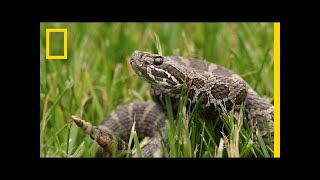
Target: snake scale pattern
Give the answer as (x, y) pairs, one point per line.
(214, 87)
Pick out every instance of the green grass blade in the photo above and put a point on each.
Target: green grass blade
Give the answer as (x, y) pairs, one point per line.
(50, 110)
(270, 138)
(157, 42)
(262, 144)
(137, 144)
(172, 141)
(115, 146)
(220, 149)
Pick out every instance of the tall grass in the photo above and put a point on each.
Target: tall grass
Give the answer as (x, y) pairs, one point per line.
(97, 78)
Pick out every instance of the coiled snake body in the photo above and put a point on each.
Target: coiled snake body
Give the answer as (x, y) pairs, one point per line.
(216, 88)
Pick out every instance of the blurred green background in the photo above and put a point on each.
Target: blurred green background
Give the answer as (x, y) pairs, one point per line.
(97, 77)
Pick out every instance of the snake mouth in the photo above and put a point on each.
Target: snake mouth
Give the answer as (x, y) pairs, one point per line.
(136, 66)
(136, 60)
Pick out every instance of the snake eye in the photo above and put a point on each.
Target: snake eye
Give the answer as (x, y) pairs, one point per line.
(158, 61)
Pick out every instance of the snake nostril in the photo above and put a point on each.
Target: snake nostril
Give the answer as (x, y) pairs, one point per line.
(137, 55)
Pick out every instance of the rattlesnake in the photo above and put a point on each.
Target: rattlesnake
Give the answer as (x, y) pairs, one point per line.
(218, 89)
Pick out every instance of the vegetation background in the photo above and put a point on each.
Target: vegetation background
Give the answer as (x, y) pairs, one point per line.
(97, 78)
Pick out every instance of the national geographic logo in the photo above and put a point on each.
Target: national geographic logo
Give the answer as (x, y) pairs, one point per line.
(65, 43)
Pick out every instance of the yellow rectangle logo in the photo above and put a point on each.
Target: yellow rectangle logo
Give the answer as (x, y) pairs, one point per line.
(65, 41)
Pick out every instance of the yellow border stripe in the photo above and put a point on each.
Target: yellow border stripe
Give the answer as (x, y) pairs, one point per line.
(47, 42)
(65, 41)
(276, 46)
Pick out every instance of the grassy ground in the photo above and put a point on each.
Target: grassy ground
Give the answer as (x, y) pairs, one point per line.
(97, 78)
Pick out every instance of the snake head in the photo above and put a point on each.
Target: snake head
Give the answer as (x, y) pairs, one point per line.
(157, 70)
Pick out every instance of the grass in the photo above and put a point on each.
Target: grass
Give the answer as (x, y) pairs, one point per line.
(97, 78)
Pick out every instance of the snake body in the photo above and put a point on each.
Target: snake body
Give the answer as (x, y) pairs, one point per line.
(216, 88)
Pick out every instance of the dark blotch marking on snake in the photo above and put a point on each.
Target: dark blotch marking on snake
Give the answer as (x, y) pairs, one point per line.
(241, 97)
(203, 96)
(220, 91)
(229, 105)
(198, 82)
